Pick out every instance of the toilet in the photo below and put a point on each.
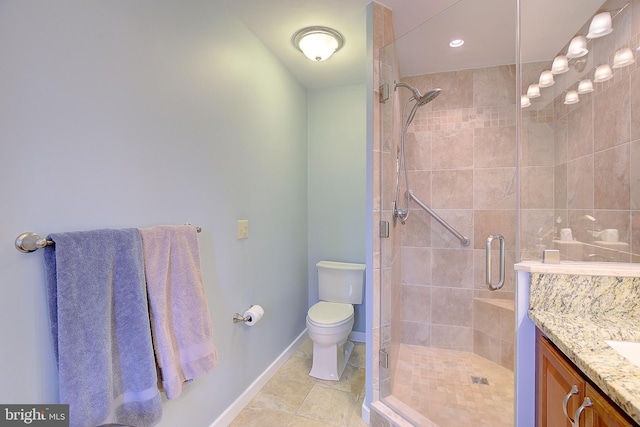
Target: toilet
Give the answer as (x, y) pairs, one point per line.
(329, 322)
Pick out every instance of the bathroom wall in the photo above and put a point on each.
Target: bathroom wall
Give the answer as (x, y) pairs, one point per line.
(586, 151)
(337, 183)
(134, 114)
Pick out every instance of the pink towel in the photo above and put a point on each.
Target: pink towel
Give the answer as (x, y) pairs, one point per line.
(180, 322)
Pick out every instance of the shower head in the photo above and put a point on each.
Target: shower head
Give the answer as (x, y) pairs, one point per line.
(419, 98)
(422, 100)
(429, 96)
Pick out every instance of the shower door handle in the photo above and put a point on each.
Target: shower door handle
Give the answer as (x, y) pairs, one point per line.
(489, 281)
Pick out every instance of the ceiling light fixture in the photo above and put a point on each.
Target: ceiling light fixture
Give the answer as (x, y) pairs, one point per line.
(577, 47)
(623, 57)
(603, 73)
(318, 43)
(456, 42)
(600, 25)
(560, 65)
(571, 97)
(533, 91)
(546, 79)
(585, 86)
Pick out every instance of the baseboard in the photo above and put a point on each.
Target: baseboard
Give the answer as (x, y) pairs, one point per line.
(238, 405)
(357, 336)
(366, 414)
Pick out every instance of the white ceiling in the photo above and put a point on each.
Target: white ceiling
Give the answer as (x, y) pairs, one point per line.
(488, 27)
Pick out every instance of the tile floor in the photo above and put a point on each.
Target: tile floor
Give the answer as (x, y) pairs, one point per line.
(294, 399)
(438, 384)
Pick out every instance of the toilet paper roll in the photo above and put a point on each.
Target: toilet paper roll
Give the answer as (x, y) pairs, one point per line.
(254, 314)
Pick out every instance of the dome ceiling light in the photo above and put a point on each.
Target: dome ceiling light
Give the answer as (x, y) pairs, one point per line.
(318, 43)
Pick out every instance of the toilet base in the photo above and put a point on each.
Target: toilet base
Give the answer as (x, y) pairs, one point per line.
(329, 361)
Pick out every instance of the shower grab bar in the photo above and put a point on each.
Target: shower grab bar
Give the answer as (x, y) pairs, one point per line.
(488, 266)
(464, 241)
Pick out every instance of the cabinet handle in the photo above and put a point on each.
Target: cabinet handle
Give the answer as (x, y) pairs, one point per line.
(587, 402)
(565, 402)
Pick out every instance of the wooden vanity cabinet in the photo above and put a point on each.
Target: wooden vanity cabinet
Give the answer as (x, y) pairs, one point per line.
(559, 383)
(603, 413)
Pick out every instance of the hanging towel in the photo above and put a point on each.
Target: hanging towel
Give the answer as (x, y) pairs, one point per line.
(100, 328)
(180, 322)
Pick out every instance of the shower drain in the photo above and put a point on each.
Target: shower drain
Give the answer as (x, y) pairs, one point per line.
(479, 380)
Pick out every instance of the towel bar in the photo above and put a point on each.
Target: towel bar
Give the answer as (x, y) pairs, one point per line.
(31, 242)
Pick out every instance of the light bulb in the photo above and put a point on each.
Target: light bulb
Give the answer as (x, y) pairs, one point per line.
(623, 57)
(546, 79)
(577, 47)
(571, 97)
(600, 25)
(585, 86)
(533, 91)
(603, 73)
(560, 65)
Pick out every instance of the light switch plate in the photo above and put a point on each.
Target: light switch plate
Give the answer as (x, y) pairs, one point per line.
(243, 229)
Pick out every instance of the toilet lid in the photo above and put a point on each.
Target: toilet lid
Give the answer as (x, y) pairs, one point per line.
(330, 312)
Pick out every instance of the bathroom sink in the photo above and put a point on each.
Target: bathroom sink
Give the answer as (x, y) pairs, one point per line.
(629, 349)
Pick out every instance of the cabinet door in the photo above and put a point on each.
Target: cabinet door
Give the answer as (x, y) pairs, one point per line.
(602, 412)
(558, 383)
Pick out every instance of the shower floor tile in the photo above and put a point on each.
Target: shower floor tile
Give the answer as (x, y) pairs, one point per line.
(439, 385)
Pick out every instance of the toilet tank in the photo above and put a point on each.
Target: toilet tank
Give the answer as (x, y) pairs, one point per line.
(340, 281)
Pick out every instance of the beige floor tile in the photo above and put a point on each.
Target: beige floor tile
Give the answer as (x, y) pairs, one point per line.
(296, 369)
(292, 398)
(305, 350)
(329, 405)
(261, 417)
(352, 381)
(299, 421)
(281, 395)
(358, 356)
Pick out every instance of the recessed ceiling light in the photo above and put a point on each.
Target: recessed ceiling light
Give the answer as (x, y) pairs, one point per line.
(456, 42)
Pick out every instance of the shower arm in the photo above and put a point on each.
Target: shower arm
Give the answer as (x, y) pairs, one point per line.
(464, 241)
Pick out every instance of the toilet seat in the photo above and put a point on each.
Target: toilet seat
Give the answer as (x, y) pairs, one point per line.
(329, 314)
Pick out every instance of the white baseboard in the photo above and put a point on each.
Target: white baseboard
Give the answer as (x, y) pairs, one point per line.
(238, 405)
(366, 414)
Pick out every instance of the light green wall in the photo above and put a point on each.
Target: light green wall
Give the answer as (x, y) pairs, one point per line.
(121, 114)
(337, 181)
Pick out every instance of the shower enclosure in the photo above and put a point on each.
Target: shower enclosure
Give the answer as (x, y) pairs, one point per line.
(479, 161)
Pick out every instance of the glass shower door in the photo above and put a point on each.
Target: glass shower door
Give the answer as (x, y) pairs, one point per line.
(447, 337)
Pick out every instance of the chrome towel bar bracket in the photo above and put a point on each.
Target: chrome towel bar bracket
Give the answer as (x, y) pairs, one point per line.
(31, 242)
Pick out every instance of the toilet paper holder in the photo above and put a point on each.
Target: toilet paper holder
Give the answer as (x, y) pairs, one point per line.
(239, 318)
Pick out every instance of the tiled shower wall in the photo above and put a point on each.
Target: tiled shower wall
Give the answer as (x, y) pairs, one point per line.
(584, 159)
(462, 160)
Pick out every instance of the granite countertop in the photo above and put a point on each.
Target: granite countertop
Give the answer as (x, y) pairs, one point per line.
(578, 313)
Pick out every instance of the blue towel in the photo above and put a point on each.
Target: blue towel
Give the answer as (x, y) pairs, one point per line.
(100, 328)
